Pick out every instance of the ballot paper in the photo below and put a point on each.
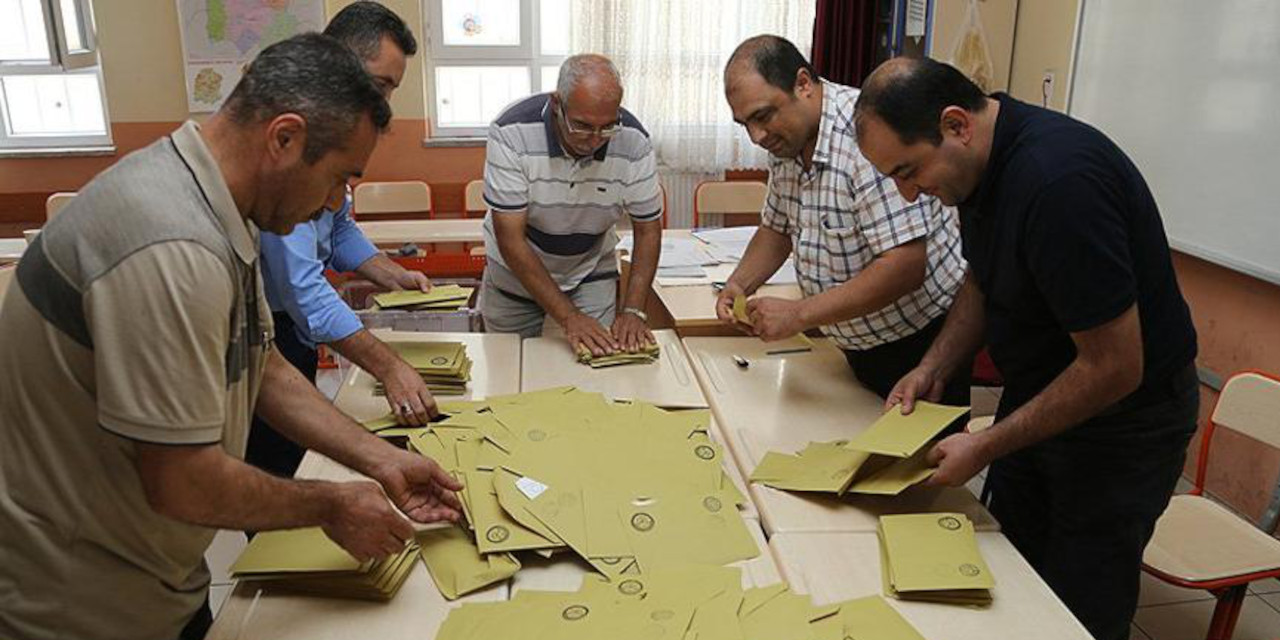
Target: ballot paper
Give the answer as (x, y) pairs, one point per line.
(566, 470)
(707, 603)
(933, 557)
(646, 355)
(676, 252)
(443, 297)
(885, 459)
(307, 561)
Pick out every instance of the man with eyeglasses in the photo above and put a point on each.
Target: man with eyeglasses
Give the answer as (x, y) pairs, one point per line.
(561, 169)
(878, 273)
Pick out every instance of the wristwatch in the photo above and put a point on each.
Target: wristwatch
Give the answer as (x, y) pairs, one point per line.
(637, 313)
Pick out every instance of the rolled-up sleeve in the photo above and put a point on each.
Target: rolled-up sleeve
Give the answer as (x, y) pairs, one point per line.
(294, 275)
(350, 246)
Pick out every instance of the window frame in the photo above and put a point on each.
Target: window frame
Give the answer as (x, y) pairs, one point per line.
(62, 61)
(528, 54)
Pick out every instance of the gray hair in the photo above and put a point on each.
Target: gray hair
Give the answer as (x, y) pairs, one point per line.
(585, 65)
(317, 78)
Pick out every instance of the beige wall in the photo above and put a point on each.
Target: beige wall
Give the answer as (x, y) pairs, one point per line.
(1043, 41)
(998, 22)
(142, 60)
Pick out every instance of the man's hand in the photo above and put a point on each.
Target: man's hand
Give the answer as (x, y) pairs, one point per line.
(959, 458)
(724, 305)
(409, 279)
(584, 331)
(921, 383)
(631, 332)
(419, 487)
(408, 396)
(775, 318)
(362, 521)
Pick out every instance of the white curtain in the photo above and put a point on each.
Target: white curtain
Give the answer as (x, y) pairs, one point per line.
(671, 55)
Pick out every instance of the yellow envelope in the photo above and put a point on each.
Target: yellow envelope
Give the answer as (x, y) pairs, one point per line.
(456, 565)
(901, 436)
(306, 550)
(933, 556)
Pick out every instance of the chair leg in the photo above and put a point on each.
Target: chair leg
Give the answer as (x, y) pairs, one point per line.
(1227, 611)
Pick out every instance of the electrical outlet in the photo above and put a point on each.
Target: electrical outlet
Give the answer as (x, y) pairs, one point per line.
(1046, 87)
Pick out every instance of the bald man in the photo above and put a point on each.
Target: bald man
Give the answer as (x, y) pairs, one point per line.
(561, 169)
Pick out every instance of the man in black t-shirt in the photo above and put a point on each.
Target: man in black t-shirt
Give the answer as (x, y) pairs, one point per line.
(1071, 286)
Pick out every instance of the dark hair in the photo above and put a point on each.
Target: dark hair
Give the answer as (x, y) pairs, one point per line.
(775, 59)
(317, 78)
(909, 95)
(362, 25)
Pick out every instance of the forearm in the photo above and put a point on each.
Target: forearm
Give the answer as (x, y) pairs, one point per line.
(380, 270)
(765, 254)
(961, 335)
(535, 278)
(1083, 390)
(889, 277)
(218, 491)
(294, 407)
(367, 352)
(644, 264)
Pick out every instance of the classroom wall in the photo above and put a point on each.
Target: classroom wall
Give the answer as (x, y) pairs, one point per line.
(1043, 40)
(146, 98)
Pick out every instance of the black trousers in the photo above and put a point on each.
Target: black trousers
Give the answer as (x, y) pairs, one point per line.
(1082, 506)
(267, 449)
(880, 368)
(199, 624)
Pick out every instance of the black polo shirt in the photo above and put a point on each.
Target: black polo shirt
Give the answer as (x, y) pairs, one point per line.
(1063, 235)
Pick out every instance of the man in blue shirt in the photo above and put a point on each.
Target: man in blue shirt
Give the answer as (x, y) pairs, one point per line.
(306, 309)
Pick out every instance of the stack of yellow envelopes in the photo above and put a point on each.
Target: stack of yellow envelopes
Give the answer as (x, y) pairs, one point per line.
(627, 486)
(674, 604)
(646, 355)
(933, 557)
(885, 459)
(443, 297)
(307, 561)
(444, 366)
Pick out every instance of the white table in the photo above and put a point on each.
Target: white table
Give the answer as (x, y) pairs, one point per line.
(669, 382)
(782, 403)
(832, 567)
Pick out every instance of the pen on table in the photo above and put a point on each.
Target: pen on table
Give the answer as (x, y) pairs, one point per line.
(779, 352)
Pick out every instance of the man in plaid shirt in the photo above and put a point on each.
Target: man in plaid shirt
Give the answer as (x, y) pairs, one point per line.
(878, 273)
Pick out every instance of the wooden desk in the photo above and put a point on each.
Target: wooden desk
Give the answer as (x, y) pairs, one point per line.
(394, 233)
(564, 571)
(669, 382)
(496, 371)
(831, 567)
(784, 402)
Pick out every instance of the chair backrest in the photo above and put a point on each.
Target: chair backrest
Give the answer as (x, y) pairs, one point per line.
(56, 202)
(391, 198)
(474, 202)
(1248, 404)
(728, 197)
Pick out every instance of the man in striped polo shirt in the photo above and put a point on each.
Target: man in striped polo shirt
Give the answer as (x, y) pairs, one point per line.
(878, 273)
(561, 169)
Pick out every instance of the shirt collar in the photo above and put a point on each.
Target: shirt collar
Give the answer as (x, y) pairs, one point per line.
(192, 150)
(554, 149)
(827, 124)
(1006, 130)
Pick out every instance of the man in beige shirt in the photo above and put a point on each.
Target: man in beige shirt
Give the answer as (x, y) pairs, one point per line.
(136, 347)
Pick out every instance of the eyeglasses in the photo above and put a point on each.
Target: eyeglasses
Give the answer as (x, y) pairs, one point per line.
(578, 129)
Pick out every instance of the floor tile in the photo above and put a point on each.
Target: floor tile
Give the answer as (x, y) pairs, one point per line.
(1155, 591)
(1270, 585)
(226, 547)
(1272, 599)
(1137, 634)
(217, 595)
(1190, 620)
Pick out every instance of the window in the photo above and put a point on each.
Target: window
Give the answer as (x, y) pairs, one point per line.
(51, 92)
(486, 54)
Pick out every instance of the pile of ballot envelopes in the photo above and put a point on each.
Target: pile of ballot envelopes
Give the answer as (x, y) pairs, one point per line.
(885, 459)
(442, 297)
(307, 561)
(444, 366)
(628, 487)
(645, 355)
(933, 557)
(674, 604)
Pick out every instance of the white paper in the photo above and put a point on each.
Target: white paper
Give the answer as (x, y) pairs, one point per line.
(786, 274)
(676, 252)
(682, 272)
(530, 488)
